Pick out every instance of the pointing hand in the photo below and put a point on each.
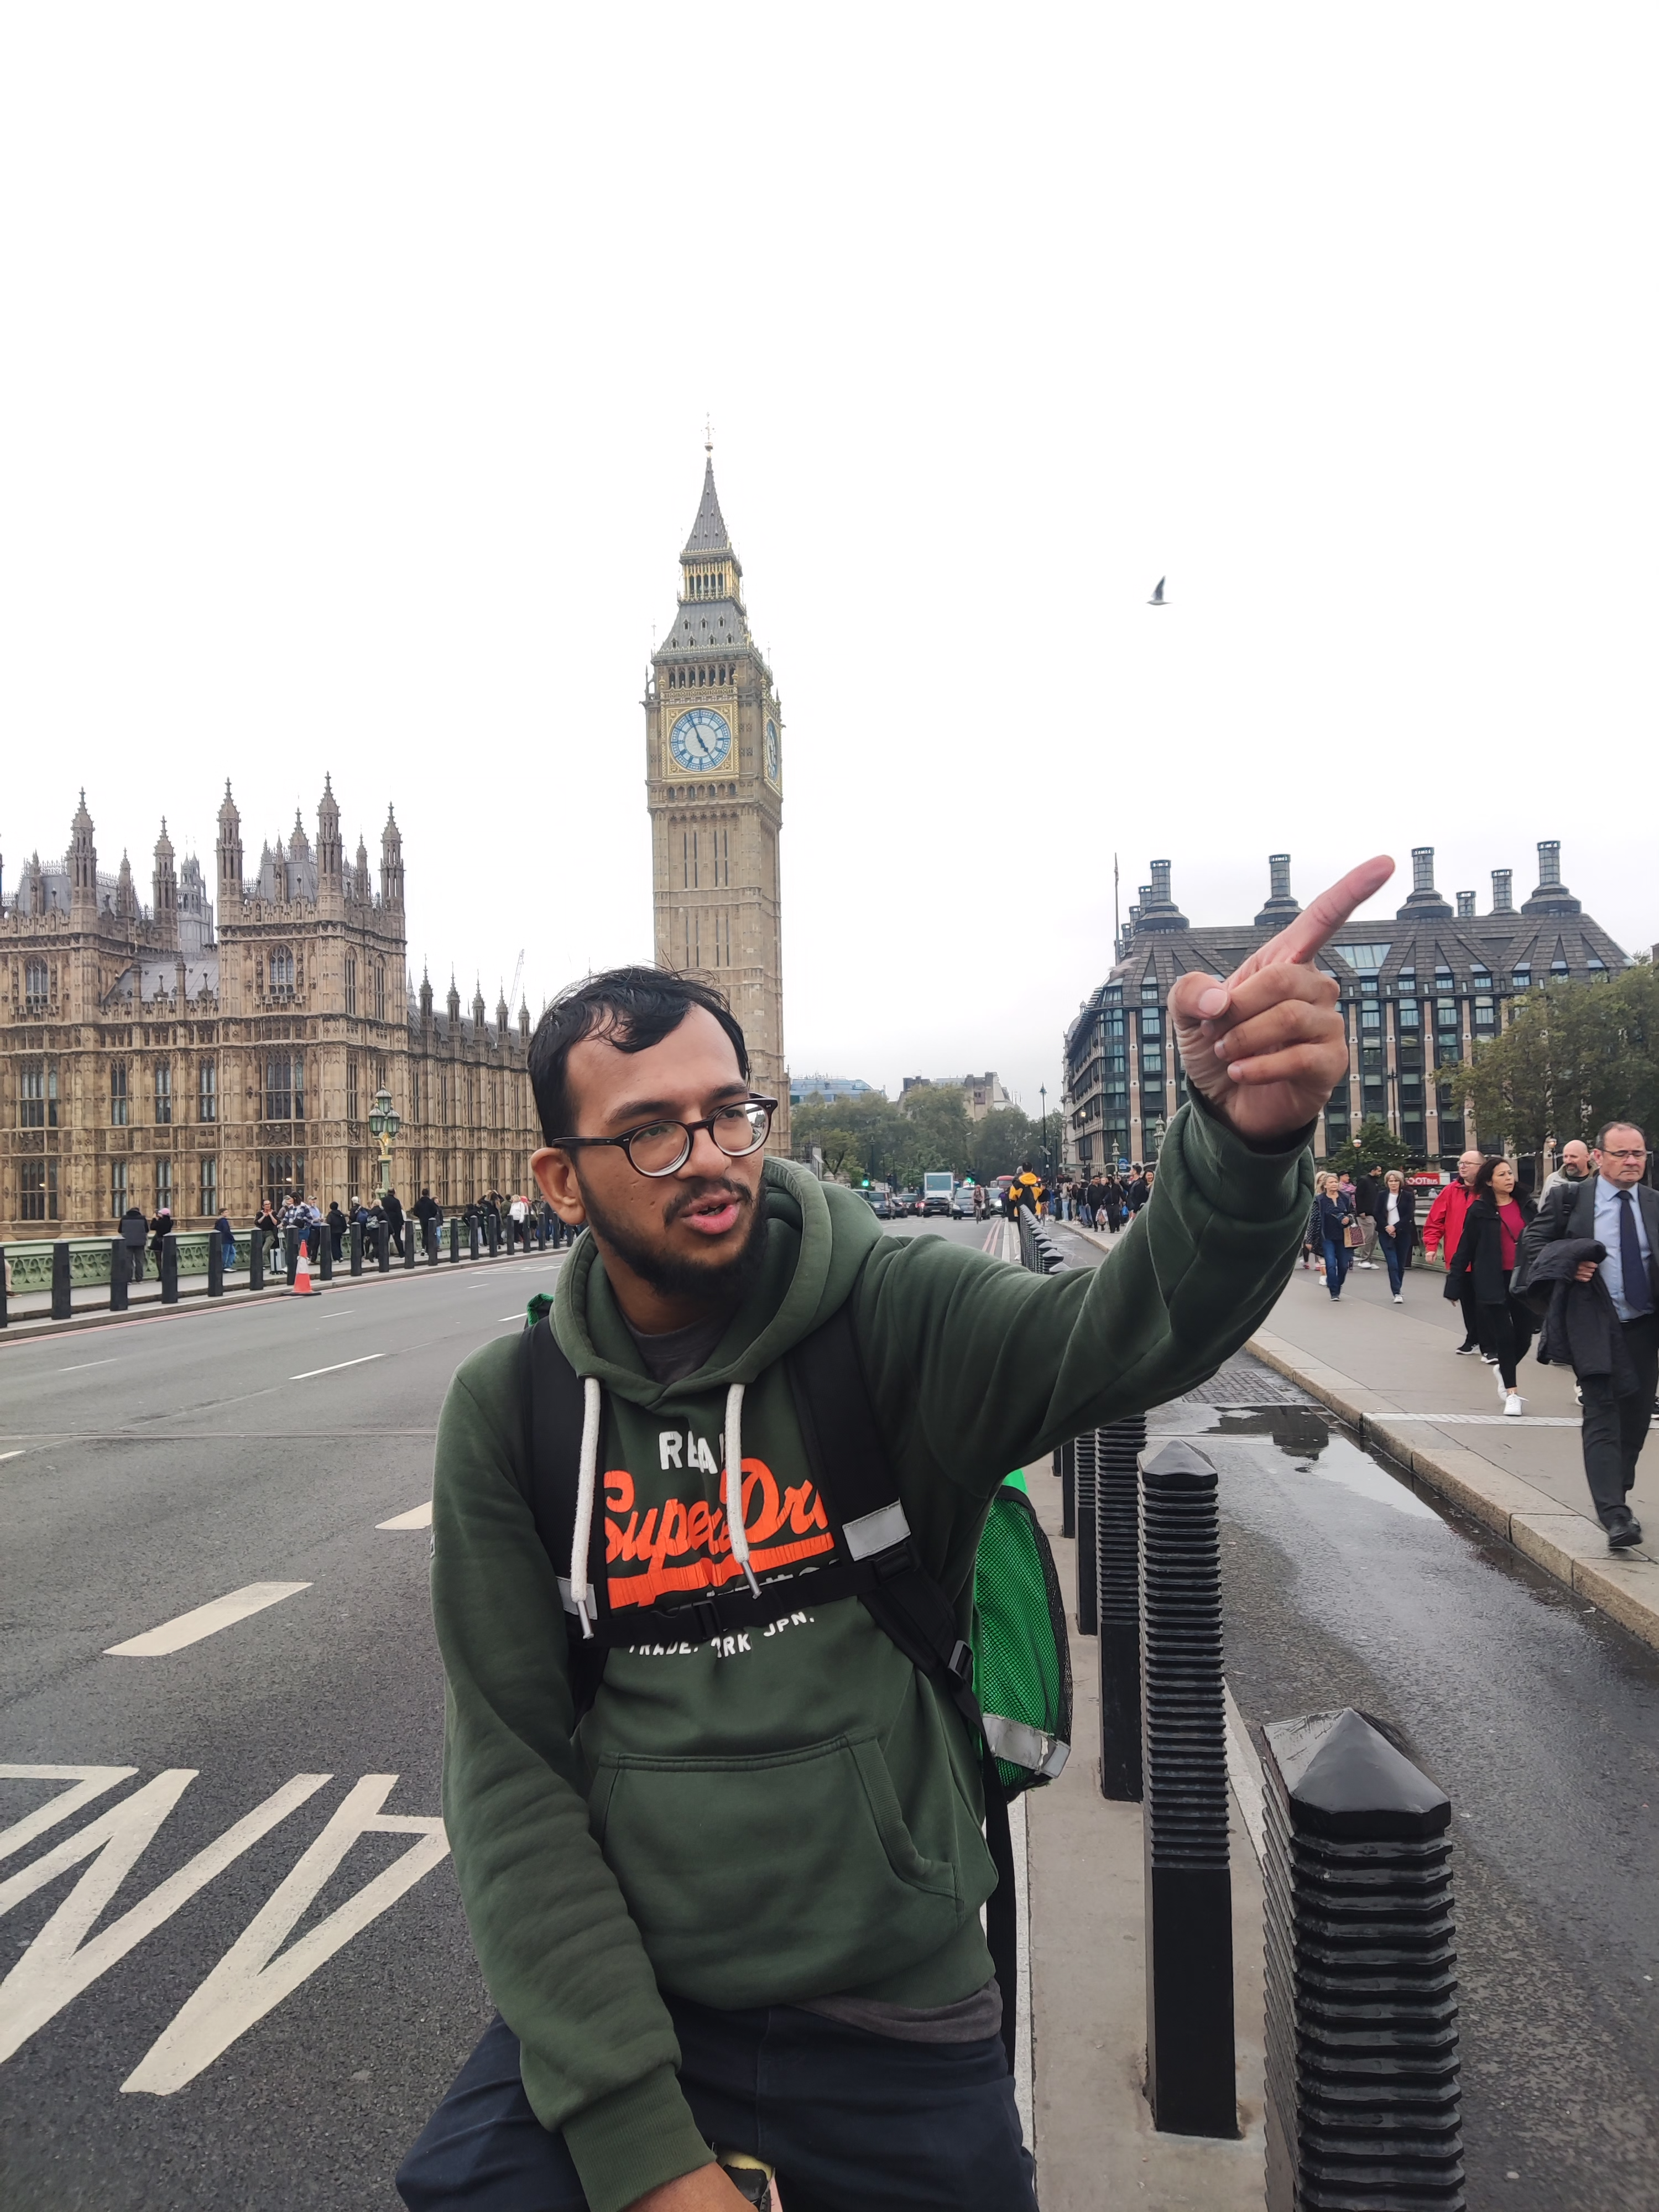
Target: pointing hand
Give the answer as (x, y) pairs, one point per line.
(1266, 1047)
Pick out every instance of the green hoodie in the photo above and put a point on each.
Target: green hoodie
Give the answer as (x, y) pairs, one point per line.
(794, 1814)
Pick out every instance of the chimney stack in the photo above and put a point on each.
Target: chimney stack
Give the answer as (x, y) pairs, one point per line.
(1425, 903)
(1280, 906)
(1466, 906)
(1502, 899)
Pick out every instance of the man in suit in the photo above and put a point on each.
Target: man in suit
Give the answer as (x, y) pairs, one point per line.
(1617, 1207)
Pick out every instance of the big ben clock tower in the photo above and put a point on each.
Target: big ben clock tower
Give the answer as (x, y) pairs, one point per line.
(714, 777)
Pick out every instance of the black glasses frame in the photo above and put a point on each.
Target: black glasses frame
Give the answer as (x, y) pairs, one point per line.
(688, 1130)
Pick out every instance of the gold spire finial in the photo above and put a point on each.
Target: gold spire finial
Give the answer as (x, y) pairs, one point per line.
(708, 435)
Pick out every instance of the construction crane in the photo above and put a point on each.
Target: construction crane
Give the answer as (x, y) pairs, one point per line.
(517, 973)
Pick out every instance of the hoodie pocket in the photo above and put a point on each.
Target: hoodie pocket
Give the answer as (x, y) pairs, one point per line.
(770, 1879)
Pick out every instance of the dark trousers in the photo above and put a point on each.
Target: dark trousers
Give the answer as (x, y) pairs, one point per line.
(852, 2122)
(1505, 1333)
(1616, 1428)
(1337, 1259)
(1395, 1255)
(1471, 1313)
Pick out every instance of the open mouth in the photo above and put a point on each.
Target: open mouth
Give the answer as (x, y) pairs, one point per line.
(713, 1216)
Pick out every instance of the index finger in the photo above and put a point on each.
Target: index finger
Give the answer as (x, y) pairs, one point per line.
(1316, 924)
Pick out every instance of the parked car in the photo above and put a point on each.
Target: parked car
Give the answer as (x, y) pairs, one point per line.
(961, 1202)
(909, 1202)
(883, 1204)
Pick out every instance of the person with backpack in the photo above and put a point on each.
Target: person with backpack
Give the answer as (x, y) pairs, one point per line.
(703, 1579)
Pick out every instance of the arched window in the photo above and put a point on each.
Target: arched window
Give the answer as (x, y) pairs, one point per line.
(351, 984)
(379, 991)
(34, 987)
(282, 971)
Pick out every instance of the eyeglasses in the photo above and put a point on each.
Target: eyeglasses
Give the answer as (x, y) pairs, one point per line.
(662, 1148)
(1640, 1153)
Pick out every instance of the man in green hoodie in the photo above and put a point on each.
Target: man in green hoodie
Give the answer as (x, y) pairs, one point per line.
(734, 1904)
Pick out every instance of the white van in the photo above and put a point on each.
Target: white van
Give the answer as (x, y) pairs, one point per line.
(937, 1188)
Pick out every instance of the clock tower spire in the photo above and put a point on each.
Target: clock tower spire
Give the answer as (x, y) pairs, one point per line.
(715, 789)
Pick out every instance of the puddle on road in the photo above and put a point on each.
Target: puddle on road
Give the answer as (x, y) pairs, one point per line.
(1311, 1441)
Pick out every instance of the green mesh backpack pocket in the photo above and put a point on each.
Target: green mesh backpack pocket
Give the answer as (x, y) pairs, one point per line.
(1022, 1658)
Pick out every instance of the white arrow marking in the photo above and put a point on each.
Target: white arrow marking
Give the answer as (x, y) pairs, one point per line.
(60, 1963)
(246, 1985)
(89, 1782)
(418, 1517)
(203, 1620)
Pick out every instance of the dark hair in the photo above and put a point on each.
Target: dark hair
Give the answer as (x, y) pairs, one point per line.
(1602, 1133)
(632, 1008)
(1483, 1174)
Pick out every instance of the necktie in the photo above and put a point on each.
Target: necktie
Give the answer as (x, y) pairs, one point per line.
(1632, 1266)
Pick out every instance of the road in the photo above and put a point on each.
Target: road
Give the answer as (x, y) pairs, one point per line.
(272, 2025)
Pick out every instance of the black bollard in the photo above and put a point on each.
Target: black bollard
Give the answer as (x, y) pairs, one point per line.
(61, 1305)
(383, 1248)
(1083, 1488)
(411, 1227)
(120, 1272)
(216, 1266)
(1068, 1489)
(357, 1235)
(429, 1238)
(1190, 2083)
(1362, 2097)
(1118, 1448)
(3, 1286)
(454, 1241)
(325, 1254)
(256, 1261)
(290, 1255)
(170, 1269)
(472, 1237)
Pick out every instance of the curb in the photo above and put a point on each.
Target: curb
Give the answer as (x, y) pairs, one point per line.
(1570, 1546)
(31, 1328)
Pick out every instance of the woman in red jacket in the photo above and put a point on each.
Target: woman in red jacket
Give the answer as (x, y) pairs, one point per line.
(1446, 1221)
(1493, 1224)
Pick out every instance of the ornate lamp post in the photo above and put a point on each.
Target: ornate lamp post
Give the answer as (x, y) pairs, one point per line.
(384, 1124)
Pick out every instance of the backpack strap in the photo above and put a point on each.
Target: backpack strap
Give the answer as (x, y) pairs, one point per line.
(849, 1462)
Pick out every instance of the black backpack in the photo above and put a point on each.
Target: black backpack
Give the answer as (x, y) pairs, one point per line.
(882, 1568)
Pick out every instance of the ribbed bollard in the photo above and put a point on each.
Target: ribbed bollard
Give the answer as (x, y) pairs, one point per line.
(215, 1258)
(383, 1247)
(356, 1247)
(472, 1237)
(430, 1234)
(1189, 1894)
(454, 1241)
(61, 1302)
(408, 1234)
(170, 1269)
(325, 1254)
(256, 1261)
(1083, 1450)
(3, 1317)
(1068, 1488)
(121, 1275)
(1364, 2104)
(1118, 1448)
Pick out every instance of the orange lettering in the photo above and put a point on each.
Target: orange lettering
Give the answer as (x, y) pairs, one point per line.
(619, 1490)
(671, 1533)
(755, 1473)
(699, 1525)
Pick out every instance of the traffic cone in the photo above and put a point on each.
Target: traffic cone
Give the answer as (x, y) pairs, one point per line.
(303, 1286)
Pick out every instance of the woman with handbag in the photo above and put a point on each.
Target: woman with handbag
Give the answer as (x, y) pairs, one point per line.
(1339, 1231)
(1493, 1228)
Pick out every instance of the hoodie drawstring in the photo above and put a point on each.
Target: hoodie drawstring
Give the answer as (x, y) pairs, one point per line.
(735, 1529)
(579, 1595)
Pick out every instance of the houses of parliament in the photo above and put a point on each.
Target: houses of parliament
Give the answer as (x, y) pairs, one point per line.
(223, 1043)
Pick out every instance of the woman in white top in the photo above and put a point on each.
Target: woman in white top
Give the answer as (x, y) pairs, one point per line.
(1396, 1216)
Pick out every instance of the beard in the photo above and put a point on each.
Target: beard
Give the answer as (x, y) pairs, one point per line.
(726, 1280)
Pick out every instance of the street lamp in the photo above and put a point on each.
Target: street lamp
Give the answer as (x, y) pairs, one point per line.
(1042, 1093)
(1155, 1138)
(384, 1124)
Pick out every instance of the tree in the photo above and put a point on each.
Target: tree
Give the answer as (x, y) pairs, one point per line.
(1374, 1146)
(1000, 1141)
(1574, 1057)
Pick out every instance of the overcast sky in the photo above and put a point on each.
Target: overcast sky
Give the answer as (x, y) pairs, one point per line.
(352, 395)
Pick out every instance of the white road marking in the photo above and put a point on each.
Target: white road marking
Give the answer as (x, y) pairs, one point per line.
(204, 1620)
(418, 1517)
(512, 1316)
(61, 1961)
(18, 1454)
(362, 1361)
(87, 1783)
(246, 1985)
(81, 1365)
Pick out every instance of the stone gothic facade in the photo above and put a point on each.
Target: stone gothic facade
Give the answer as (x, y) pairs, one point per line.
(224, 1043)
(714, 768)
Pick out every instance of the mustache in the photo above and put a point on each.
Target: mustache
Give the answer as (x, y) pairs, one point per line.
(699, 1193)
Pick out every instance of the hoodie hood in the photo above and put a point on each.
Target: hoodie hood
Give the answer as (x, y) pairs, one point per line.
(818, 1237)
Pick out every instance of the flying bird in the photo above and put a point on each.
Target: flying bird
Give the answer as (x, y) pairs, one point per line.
(1158, 598)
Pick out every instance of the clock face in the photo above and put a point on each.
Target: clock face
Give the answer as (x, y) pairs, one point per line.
(700, 739)
(772, 751)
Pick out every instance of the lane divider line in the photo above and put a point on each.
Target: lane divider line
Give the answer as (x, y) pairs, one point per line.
(418, 1517)
(81, 1365)
(363, 1360)
(18, 1454)
(204, 1620)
